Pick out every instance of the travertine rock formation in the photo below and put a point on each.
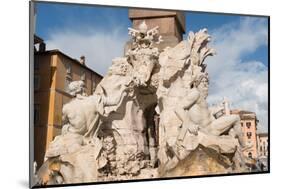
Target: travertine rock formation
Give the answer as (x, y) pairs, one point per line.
(112, 135)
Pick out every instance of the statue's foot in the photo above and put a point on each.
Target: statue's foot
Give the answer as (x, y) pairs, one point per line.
(180, 151)
(171, 164)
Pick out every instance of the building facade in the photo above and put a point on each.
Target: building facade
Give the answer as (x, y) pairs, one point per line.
(263, 149)
(262, 139)
(53, 71)
(249, 128)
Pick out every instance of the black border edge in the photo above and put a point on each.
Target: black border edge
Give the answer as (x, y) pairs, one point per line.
(268, 56)
(31, 128)
(154, 179)
(31, 95)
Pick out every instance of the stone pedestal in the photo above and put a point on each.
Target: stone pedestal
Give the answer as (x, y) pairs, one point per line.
(202, 161)
(171, 25)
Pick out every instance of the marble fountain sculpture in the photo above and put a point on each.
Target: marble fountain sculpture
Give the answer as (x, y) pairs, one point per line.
(111, 135)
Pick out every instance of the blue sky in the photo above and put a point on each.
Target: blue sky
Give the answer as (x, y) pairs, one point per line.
(53, 16)
(197, 20)
(238, 72)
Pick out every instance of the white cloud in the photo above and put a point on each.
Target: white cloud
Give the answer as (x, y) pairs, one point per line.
(99, 47)
(244, 83)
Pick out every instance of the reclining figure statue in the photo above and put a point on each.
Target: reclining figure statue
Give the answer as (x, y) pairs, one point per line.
(81, 117)
(185, 119)
(197, 119)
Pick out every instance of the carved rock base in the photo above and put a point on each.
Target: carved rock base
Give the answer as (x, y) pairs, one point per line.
(202, 161)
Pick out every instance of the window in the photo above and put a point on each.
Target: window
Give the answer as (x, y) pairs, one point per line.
(250, 155)
(68, 80)
(248, 124)
(68, 77)
(36, 82)
(94, 86)
(241, 124)
(68, 69)
(36, 114)
(249, 135)
(83, 76)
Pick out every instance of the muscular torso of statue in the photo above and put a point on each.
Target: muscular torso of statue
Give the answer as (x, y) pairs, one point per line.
(200, 114)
